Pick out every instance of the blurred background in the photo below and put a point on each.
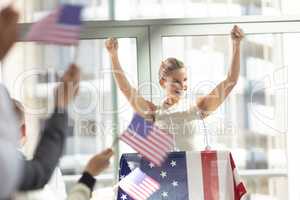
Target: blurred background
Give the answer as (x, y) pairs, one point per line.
(252, 123)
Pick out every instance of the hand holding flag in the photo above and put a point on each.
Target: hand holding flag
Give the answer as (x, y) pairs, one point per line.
(148, 140)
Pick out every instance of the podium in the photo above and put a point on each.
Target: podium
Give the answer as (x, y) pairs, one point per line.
(207, 175)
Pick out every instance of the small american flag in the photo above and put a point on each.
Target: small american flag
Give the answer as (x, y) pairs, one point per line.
(138, 185)
(62, 26)
(148, 140)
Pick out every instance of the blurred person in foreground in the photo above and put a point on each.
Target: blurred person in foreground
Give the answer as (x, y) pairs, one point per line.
(10, 164)
(38, 171)
(55, 188)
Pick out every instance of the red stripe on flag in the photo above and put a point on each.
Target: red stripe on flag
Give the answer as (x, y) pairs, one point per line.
(55, 41)
(210, 175)
(232, 164)
(144, 187)
(153, 182)
(152, 156)
(129, 188)
(61, 33)
(239, 191)
(159, 137)
(67, 28)
(157, 143)
(239, 188)
(147, 144)
(146, 154)
(151, 185)
(140, 191)
(133, 193)
(168, 137)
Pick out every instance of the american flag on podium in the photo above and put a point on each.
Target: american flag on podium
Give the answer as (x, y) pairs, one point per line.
(205, 175)
(62, 26)
(139, 185)
(147, 139)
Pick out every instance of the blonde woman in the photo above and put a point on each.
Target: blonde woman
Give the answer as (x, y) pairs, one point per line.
(174, 114)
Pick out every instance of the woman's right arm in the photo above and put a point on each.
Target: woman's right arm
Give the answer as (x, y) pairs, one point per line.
(138, 103)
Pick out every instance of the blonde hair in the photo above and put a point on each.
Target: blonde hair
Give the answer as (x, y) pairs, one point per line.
(169, 65)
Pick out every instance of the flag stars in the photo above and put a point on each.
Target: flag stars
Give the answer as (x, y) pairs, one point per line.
(121, 177)
(175, 183)
(164, 194)
(151, 165)
(173, 163)
(163, 174)
(124, 197)
(131, 165)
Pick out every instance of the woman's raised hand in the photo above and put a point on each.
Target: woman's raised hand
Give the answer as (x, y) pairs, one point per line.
(66, 91)
(237, 34)
(112, 45)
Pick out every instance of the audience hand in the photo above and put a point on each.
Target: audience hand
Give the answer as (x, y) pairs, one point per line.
(151, 110)
(8, 29)
(68, 89)
(99, 162)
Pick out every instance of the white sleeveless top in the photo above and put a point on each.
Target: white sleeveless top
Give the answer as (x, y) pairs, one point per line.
(182, 120)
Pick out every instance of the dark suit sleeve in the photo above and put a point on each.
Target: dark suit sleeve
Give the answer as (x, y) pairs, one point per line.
(38, 171)
(88, 180)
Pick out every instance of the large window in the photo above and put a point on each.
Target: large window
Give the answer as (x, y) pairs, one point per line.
(252, 122)
(151, 9)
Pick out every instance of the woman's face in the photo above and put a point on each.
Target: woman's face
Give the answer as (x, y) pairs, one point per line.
(175, 84)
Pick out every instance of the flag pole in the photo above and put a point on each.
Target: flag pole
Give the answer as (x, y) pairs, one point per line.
(115, 189)
(76, 53)
(206, 134)
(115, 186)
(175, 148)
(115, 141)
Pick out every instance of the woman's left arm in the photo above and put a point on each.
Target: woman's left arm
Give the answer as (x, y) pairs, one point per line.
(215, 98)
